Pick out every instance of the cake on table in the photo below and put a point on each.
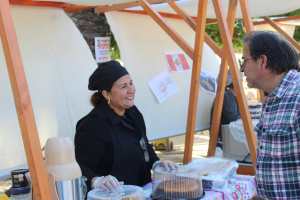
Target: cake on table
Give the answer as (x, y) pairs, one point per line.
(182, 183)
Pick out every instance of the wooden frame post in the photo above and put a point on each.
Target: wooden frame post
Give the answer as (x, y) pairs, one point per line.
(23, 104)
(249, 28)
(195, 81)
(235, 75)
(218, 106)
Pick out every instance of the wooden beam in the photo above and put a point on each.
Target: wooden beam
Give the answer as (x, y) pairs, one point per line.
(211, 21)
(218, 106)
(195, 81)
(190, 21)
(284, 34)
(166, 15)
(245, 170)
(39, 3)
(123, 6)
(235, 75)
(246, 16)
(23, 103)
(279, 20)
(167, 28)
(249, 28)
(77, 8)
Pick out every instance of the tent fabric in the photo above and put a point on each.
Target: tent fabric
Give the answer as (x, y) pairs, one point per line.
(142, 44)
(258, 8)
(57, 63)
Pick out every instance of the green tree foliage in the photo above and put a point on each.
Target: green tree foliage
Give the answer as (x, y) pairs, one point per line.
(213, 31)
(114, 49)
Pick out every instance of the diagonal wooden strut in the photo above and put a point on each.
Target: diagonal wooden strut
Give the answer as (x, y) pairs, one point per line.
(234, 71)
(249, 28)
(39, 3)
(23, 103)
(191, 22)
(284, 34)
(123, 6)
(167, 28)
(195, 81)
(218, 106)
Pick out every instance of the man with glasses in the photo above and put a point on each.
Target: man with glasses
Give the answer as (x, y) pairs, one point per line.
(271, 64)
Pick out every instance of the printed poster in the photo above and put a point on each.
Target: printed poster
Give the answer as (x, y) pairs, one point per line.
(163, 86)
(102, 49)
(208, 82)
(177, 61)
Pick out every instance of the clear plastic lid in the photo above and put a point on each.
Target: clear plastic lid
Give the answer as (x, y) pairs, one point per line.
(129, 192)
(182, 183)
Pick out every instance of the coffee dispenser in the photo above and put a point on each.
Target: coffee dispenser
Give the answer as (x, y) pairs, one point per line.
(64, 174)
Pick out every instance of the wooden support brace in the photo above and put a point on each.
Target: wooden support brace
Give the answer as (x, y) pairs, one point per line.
(280, 20)
(235, 75)
(77, 8)
(218, 106)
(190, 21)
(249, 28)
(123, 6)
(23, 103)
(284, 34)
(167, 28)
(195, 81)
(39, 3)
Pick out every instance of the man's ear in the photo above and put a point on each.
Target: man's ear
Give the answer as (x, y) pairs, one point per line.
(263, 61)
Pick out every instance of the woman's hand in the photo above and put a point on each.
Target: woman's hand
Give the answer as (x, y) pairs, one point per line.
(167, 165)
(107, 183)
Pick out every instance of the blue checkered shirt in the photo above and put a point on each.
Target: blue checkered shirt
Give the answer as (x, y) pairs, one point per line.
(277, 169)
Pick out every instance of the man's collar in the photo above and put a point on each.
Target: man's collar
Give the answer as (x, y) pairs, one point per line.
(285, 83)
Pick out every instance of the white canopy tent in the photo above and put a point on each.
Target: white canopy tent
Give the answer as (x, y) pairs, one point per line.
(57, 63)
(258, 7)
(264, 8)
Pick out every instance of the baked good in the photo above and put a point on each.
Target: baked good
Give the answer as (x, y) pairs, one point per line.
(180, 188)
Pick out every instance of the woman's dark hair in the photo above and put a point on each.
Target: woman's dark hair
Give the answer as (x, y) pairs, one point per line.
(281, 56)
(97, 97)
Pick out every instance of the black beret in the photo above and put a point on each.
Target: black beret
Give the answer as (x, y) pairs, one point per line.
(106, 75)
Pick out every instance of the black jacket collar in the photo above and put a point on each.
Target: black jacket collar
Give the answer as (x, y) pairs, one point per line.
(103, 109)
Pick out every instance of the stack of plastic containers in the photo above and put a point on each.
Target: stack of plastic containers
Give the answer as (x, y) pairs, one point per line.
(128, 192)
(182, 183)
(255, 110)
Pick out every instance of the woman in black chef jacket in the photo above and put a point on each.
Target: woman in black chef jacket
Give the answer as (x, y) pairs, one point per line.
(110, 142)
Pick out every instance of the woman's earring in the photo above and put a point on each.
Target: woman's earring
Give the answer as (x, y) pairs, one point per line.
(108, 101)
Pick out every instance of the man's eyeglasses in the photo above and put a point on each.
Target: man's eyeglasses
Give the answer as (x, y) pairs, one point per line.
(242, 62)
(144, 147)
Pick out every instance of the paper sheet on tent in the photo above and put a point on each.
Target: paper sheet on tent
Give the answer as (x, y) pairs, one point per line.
(142, 44)
(57, 63)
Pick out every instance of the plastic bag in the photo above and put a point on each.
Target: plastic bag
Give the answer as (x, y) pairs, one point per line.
(238, 132)
(215, 171)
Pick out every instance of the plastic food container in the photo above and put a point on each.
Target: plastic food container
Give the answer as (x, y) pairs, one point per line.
(215, 171)
(182, 183)
(129, 192)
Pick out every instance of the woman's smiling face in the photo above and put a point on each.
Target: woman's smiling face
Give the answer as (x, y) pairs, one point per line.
(121, 95)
